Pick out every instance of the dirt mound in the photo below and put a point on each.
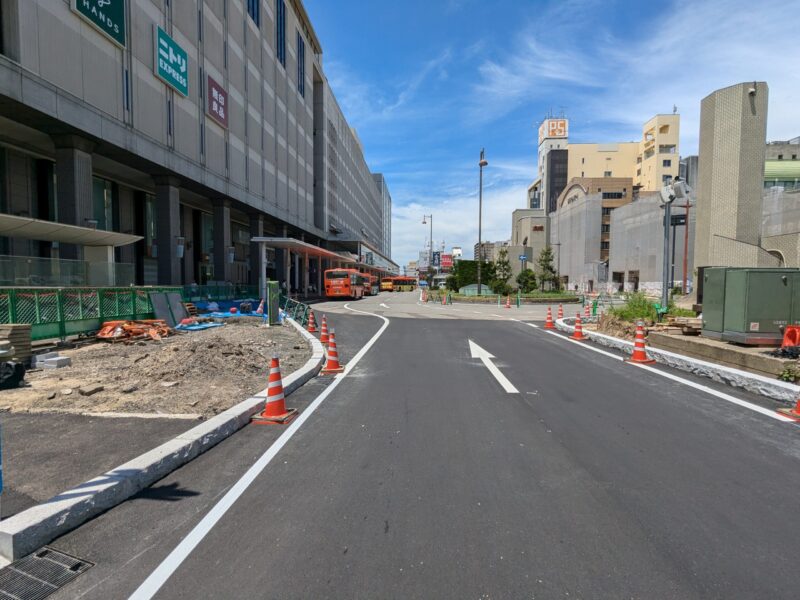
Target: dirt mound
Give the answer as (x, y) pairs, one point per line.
(203, 372)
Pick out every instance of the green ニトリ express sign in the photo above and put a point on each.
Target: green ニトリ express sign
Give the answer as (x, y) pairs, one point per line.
(172, 62)
(107, 16)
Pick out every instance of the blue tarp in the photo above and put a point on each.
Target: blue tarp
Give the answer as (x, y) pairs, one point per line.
(228, 315)
(199, 326)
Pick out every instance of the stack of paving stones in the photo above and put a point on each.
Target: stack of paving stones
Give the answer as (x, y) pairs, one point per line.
(19, 336)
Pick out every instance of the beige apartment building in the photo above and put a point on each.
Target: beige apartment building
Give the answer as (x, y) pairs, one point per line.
(650, 162)
(186, 129)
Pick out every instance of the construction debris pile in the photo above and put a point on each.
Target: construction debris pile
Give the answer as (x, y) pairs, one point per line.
(130, 331)
(202, 372)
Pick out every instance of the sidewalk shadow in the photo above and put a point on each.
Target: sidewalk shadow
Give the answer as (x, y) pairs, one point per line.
(166, 493)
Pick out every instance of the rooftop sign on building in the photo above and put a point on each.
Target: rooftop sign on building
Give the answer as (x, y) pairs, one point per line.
(553, 128)
(107, 16)
(172, 62)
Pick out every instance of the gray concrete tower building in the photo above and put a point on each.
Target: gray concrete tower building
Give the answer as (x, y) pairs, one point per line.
(733, 124)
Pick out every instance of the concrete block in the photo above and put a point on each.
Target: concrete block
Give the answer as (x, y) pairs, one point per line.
(41, 358)
(56, 363)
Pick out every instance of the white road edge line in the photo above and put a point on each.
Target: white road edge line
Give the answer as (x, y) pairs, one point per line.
(698, 386)
(170, 564)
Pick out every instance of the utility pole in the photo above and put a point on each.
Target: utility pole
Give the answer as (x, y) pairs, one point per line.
(482, 163)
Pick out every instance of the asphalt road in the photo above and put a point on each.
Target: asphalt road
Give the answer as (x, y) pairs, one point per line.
(418, 476)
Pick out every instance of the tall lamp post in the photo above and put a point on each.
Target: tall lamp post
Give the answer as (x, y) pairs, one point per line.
(430, 250)
(482, 163)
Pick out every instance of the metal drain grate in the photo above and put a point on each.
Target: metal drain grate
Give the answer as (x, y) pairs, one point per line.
(39, 575)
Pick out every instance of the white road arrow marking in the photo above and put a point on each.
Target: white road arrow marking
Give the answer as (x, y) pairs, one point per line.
(486, 358)
(384, 306)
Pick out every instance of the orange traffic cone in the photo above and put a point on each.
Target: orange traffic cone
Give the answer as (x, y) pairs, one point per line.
(508, 301)
(578, 335)
(586, 312)
(260, 309)
(323, 334)
(560, 311)
(794, 413)
(548, 324)
(639, 353)
(275, 411)
(312, 323)
(332, 366)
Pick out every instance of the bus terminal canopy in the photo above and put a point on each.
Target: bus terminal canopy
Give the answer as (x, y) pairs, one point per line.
(300, 247)
(49, 231)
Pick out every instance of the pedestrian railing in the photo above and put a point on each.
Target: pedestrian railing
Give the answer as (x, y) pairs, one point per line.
(57, 313)
(295, 309)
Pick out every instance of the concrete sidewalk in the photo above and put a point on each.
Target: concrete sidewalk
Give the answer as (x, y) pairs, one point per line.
(44, 454)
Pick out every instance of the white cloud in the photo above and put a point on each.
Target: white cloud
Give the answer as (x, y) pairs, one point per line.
(365, 104)
(616, 82)
(455, 220)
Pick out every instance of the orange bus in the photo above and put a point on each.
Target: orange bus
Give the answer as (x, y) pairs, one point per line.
(387, 284)
(404, 284)
(370, 285)
(344, 283)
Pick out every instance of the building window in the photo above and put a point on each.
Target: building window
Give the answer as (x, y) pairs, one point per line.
(666, 163)
(666, 179)
(612, 195)
(794, 156)
(254, 10)
(666, 149)
(581, 173)
(301, 65)
(583, 161)
(607, 211)
(780, 156)
(605, 228)
(605, 245)
(606, 173)
(280, 30)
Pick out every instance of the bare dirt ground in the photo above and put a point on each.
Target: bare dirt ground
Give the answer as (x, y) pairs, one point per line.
(203, 373)
(611, 325)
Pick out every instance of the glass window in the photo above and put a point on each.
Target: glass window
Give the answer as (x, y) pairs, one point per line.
(102, 202)
(301, 65)
(666, 163)
(606, 173)
(280, 27)
(666, 179)
(254, 10)
(150, 224)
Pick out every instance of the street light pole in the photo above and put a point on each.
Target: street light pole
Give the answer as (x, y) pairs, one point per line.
(430, 250)
(482, 163)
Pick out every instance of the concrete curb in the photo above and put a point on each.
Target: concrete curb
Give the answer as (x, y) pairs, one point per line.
(31, 529)
(757, 384)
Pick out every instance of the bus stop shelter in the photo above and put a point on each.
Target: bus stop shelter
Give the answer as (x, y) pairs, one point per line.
(297, 256)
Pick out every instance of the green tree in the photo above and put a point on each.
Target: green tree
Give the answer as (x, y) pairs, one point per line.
(502, 267)
(465, 273)
(547, 272)
(452, 283)
(526, 281)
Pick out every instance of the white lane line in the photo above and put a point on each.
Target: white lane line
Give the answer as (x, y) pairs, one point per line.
(382, 304)
(698, 386)
(486, 358)
(587, 346)
(164, 571)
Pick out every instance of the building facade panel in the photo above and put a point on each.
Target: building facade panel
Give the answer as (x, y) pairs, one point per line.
(269, 158)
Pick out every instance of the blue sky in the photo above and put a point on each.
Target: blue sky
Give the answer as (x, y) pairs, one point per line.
(427, 83)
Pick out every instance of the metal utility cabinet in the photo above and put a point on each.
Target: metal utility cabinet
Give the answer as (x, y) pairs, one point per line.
(750, 306)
